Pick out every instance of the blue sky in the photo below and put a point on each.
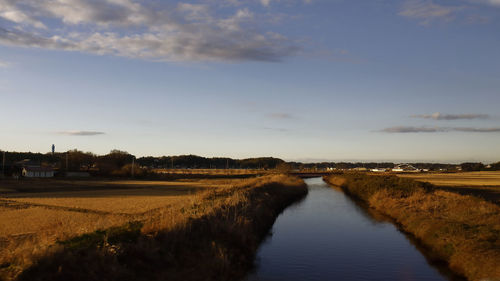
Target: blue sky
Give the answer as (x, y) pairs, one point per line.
(415, 80)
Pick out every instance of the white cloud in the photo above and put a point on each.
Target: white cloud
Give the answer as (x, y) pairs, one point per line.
(10, 11)
(181, 32)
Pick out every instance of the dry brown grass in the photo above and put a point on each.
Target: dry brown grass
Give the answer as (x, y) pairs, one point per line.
(31, 223)
(118, 204)
(54, 185)
(55, 223)
(130, 201)
(484, 184)
(483, 178)
(28, 232)
(205, 202)
(463, 230)
(212, 237)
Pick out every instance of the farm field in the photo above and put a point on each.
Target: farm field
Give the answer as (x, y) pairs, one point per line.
(484, 184)
(35, 214)
(20, 187)
(206, 223)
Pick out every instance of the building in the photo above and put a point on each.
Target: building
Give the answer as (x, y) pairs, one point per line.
(359, 169)
(37, 172)
(407, 168)
(379, 170)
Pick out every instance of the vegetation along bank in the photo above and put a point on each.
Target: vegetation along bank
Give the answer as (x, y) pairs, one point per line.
(213, 237)
(462, 230)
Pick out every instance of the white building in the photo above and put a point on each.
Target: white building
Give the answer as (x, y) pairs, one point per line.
(405, 168)
(379, 170)
(38, 172)
(359, 169)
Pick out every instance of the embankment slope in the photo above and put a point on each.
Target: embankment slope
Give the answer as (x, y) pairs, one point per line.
(462, 230)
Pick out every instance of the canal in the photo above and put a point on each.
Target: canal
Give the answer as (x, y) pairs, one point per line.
(327, 236)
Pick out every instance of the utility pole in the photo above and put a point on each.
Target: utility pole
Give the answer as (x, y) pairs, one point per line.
(67, 167)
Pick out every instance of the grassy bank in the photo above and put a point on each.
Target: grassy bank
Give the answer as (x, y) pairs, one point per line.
(212, 236)
(462, 230)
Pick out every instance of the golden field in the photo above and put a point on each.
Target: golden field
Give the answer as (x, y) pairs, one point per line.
(483, 178)
(484, 184)
(34, 214)
(37, 215)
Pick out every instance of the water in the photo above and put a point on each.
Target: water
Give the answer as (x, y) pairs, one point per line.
(329, 237)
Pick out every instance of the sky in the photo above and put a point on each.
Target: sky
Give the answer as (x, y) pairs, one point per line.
(303, 80)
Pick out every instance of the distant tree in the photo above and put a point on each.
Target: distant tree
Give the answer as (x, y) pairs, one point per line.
(113, 161)
(126, 171)
(283, 168)
(78, 160)
(469, 166)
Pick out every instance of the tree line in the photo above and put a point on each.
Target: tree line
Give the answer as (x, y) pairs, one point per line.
(118, 162)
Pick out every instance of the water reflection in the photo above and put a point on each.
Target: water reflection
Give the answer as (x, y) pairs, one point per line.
(328, 236)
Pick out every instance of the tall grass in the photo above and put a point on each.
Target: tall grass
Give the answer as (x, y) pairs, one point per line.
(462, 230)
(212, 237)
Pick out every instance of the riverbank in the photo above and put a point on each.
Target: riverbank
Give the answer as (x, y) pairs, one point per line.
(462, 230)
(213, 236)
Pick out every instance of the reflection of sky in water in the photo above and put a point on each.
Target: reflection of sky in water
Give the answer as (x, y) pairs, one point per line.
(328, 237)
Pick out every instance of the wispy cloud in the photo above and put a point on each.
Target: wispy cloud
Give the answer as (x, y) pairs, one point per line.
(280, 115)
(276, 129)
(81, 133)
(430, 11)
(441, 116)
(267, 3)
(409, 129)
(477, 130)
(487, 2)
(426, 11)
(165, 31)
